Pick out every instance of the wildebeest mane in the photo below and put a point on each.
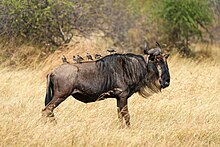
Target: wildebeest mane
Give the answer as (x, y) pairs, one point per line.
(129, 68)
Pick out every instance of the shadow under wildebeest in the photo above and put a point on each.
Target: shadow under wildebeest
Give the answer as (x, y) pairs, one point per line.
(113, 76)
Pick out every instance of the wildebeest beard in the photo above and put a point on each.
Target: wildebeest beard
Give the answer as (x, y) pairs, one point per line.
(132, 69)
(151, 83)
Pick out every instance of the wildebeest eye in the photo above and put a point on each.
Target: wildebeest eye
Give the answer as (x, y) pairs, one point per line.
(166, 56)
(159, 59)
(152, 58)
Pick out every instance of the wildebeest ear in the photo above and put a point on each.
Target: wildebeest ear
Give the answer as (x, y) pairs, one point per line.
(166, 56)
(145, 47)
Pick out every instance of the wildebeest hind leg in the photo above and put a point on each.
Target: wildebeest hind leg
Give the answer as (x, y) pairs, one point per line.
(48, 110)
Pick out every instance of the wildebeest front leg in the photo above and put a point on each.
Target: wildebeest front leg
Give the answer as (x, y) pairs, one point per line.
(119, 111)
(123, 108)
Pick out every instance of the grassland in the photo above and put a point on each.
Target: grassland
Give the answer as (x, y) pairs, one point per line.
(187, 113)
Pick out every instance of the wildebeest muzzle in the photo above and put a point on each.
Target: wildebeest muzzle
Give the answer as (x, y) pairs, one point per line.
(165, 84)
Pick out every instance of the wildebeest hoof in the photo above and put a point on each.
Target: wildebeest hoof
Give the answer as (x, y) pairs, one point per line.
(47, 113)
(50, 114)
(51, 120)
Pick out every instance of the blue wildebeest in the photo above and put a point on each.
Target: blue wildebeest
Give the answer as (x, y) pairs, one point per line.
(113, 76)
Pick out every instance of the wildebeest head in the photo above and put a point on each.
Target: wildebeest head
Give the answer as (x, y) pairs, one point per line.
(158, 67)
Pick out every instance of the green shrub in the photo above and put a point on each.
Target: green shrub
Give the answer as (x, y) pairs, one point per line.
(43, 21)
(57, 21)
(183, 20)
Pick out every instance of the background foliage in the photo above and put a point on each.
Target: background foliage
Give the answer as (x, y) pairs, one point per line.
(185, 19)
(54, 23)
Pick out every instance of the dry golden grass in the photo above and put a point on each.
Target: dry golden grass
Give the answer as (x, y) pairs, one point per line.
(187, 113)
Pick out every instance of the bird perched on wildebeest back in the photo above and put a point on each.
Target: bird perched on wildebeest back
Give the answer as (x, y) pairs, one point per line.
(64, 59)
(111, 51)
(98, 56)
(88, 56)
(74, 59)
(79, 59)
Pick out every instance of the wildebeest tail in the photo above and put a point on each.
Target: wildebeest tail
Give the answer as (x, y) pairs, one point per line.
(49, 91)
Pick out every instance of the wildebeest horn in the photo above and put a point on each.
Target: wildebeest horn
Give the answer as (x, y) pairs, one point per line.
(145, 47)
(155, 51)
(158, 44)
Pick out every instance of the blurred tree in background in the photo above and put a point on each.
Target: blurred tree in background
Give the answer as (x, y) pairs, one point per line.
(126, 22)
(56, 22)
(43, 21)
(184, 20)
(216, 8)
